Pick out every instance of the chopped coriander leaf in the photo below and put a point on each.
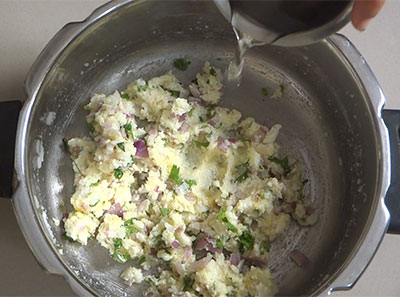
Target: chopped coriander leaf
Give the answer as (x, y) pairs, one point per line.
(265, 246)
(121, 145)
(283, 162)
(181, 64)
(117, 243)
(221, 215)
(118, 173)
(141, 260)
(208, 116)
(190, 183)
(96, 183)
(219, 243)
(149, 211)
(150, 281)
(243, 170)
(93, 204)
(164, 211)
(125, 96)
(129, 227)
(187, 283)
(201, 143)
(190, 113)
(262, 195)
(264, 91)
(230, 295)
(121, 257)
(143, 88)
(128, 130)
(91, 127)
(212, 72)
(174, 93)
(246, 241)
(165, 141)
(87, 107)
(230, 226)
(174, 175)
(65, 143)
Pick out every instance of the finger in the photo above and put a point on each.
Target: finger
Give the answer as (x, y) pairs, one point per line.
(364, 11)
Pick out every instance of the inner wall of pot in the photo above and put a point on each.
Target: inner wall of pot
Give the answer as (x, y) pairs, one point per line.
(326, 119)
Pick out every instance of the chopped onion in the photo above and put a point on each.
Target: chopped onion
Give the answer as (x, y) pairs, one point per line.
(153, 132)
(115, 209)
(200, 264)
(187, 253)
(179, 268)
(194, 90)
(179, 229)
(184, 127)
(221, 144)
(190, 197)
(85, 207)
(107, 125)
(181, 118)
(299, 258)
(201, 244)
(150, 294)
(213, 249)
(213, 122)
(259, 135)
(235, 259)
(232, 140)
(175, 244)
(141, 149)
(156, 189)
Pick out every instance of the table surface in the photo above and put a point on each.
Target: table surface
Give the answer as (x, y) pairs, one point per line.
(27, 25)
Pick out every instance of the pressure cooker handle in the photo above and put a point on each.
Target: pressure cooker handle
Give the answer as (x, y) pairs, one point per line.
(392, 200)
(9, 112)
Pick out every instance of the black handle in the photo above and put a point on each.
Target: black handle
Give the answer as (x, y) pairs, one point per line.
(9, 112)
(392, 200)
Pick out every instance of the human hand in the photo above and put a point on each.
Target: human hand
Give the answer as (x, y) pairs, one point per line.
(364, 11)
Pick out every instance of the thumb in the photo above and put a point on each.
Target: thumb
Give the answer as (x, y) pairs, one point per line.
(364, 11)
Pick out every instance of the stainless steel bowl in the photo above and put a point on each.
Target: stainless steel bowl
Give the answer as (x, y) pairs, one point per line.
(330, 112)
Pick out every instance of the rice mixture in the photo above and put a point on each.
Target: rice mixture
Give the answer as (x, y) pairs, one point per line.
(196, 191)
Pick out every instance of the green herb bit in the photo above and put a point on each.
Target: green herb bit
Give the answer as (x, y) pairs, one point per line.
(121, 257)
(121, 145)
(118, 173)
(219, 243)
(143, 88)
(165, 141)
(149, 211)
(130, 229)
(190, 183)
(164, 211)
(201, 143)
(117, 243)
(125, 96)
(77, 167)
(181, 64)
(91, 126)
(264, 91)
(243, 169)
(283, 162)
(174, 93)
(246, 241)
(208, 116)
(174, 175)
(87, 107)
(150, 280)
(141, 260)
(93, 204)
(187, 283)
(222, 217)
(96, 183)
(265, 246)
(230, 226)
(212, 71)
(230, 295)
(65, 143)
(128, 130)
(190, 113)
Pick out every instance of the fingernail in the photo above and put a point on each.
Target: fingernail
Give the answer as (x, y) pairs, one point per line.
(363, 24)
